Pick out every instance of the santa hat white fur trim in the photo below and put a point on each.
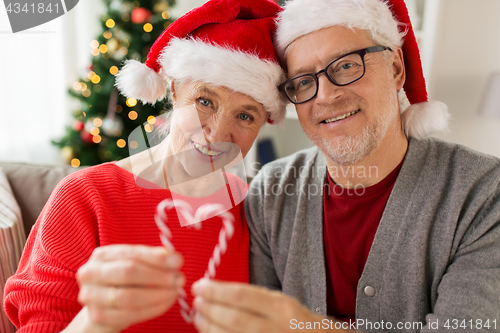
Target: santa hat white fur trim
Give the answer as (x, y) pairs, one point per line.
(423, 119)
(295, 21)
(191, 59)
(139, 81)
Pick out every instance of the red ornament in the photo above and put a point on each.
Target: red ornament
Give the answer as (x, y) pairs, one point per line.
(78, 125)
(140, 15)
(86, 137)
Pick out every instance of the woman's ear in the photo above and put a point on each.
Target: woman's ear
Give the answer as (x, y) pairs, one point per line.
(172, 90)
(398, 66)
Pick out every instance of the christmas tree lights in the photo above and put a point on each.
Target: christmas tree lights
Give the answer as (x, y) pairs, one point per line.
(104, 119)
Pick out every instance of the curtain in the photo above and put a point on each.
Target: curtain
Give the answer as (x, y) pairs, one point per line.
(37, 66)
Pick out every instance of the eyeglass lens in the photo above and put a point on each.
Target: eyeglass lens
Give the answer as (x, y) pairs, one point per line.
(341, 72)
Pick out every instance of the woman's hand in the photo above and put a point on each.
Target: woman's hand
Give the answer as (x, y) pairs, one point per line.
(122, 285)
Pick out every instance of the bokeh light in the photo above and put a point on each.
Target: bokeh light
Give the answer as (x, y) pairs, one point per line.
(133, 144)
(110, 23)
(133, 115)
(148, 27)
(103, 48)
(152, 120)
(131, 102)
(96, 138)
(95, 79)
(113, 70)
(121, 143)
(75, 163)
(97, 122)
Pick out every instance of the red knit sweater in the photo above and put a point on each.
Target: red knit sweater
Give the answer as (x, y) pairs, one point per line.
(100, 206)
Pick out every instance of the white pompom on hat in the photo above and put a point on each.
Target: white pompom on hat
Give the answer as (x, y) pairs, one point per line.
(223, 42)
(388, 23)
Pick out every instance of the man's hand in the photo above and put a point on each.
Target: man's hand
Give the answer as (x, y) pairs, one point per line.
(223, 307)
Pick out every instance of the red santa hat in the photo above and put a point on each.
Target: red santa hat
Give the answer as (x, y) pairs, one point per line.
(387, 22)
(224, 42)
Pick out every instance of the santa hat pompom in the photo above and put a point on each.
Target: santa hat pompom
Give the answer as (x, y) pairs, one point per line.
(423, 119)
(139, 81)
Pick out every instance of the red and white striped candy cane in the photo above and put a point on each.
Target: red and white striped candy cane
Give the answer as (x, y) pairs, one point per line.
(202, 213)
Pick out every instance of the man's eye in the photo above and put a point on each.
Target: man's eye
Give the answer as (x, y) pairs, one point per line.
(347, 65)
(304, 82)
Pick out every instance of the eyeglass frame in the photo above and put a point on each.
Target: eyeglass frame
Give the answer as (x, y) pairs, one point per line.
(361, 53)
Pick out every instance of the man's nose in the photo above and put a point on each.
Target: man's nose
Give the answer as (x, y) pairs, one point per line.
(327, 91)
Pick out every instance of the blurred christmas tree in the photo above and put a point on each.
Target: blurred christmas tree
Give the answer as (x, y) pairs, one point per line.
(105, 118)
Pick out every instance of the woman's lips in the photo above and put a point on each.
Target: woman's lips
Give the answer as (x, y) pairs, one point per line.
(206, 155)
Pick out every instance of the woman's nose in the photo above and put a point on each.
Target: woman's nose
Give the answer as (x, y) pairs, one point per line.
(218, 129)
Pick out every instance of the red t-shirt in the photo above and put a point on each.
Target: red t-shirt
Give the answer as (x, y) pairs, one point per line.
(351, 219)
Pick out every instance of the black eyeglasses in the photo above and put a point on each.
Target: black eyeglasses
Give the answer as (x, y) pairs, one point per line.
(341, 71)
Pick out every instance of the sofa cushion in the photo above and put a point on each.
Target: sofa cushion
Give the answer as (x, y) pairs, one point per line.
(32, 185)
(12, 240)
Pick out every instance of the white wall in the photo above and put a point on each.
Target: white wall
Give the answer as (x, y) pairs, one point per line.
(466, 52)
(183, 6)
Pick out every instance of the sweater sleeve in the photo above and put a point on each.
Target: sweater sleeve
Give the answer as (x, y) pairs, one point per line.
(42, 295)
(262, 270)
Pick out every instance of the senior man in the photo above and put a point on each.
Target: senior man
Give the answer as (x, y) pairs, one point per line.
(378, 228)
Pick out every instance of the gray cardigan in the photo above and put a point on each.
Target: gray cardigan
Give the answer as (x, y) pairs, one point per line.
(435, 259)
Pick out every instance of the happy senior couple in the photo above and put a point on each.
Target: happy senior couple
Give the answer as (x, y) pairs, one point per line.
(419, 245)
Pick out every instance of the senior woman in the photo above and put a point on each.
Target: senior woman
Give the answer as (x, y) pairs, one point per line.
(94, 261)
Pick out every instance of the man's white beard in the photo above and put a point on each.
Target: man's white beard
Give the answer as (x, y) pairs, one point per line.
(349, 150)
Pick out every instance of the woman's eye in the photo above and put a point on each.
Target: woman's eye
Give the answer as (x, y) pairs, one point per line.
(204, 102)
(245, 117)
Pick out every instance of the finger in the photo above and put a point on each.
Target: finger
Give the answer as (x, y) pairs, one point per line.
(215, 315)
(121, 319)
(203, 325)
(126, 298)
(156, 256)
(250, 298)
(128, 273)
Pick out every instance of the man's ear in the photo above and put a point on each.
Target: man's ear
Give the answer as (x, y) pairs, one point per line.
(398, 67)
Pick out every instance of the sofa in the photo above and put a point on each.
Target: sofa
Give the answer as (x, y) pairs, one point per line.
(24, 190)
(32, 185)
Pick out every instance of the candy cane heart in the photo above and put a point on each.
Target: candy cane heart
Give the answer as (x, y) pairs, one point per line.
(204, 212)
